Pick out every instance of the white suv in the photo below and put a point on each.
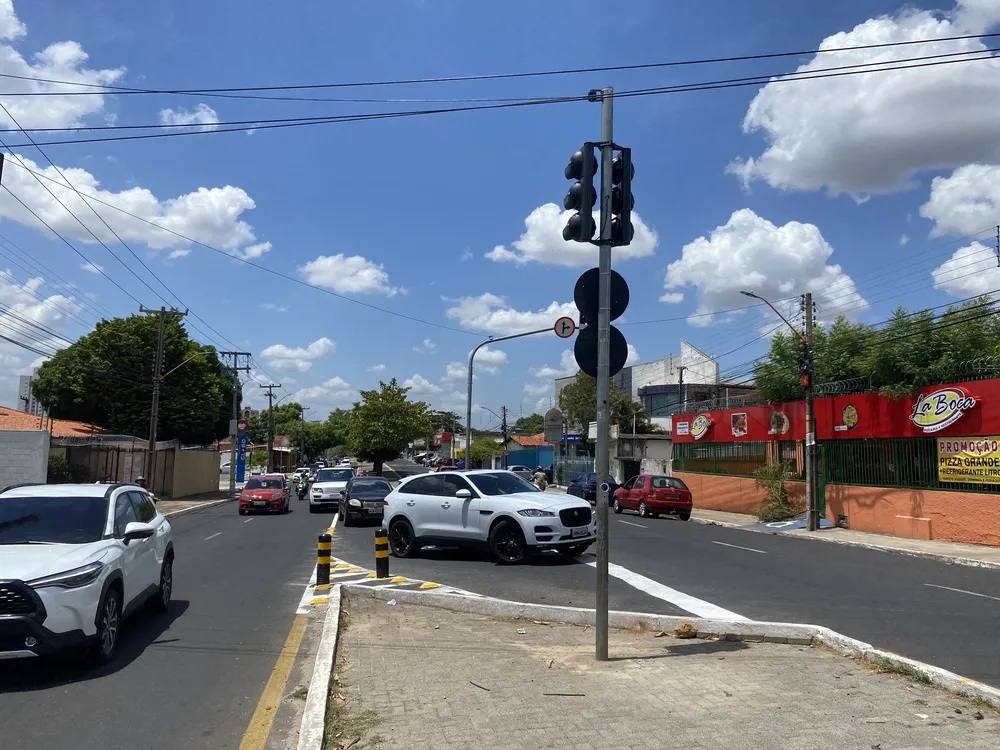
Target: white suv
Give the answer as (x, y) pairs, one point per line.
(75, 559)
(328, 487)
(493, 509)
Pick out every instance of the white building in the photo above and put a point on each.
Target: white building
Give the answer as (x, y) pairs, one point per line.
(26, 395)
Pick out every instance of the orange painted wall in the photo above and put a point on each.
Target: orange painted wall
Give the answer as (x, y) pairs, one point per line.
(969, 517)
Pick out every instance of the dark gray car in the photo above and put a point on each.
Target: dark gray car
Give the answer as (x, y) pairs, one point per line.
(364, 499)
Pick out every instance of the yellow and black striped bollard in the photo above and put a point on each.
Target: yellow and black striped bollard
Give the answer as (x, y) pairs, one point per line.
(381, 553)
(323, 552)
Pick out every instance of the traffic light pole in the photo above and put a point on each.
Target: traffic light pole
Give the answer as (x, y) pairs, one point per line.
(602, 463)
(812, 499)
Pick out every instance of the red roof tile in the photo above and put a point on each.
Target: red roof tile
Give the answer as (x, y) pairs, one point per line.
(11, 419)
(530, 441)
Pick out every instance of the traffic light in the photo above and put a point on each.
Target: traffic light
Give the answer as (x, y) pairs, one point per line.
(581, 197)
(806, 366)
(622, 200)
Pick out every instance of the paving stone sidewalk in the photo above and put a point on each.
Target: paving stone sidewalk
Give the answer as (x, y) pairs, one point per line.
(410, 676)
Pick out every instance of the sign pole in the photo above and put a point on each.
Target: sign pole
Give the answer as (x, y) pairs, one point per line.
(603, 378)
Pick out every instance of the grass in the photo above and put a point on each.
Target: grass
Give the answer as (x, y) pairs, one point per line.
(347, 727)
(888, 666)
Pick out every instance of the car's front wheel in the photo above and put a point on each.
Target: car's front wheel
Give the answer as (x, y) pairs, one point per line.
(643, 510)
(109, 620)
(616, 506)
(507, 543)
(402, 540)
(161, 600)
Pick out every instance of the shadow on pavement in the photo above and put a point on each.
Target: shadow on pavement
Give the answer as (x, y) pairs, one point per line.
(138, 633)
(695, 648)
(549, 559)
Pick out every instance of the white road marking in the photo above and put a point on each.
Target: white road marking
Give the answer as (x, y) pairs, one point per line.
(248, 520)
(697, 607)
(304, 603)
(963, 591)
(637, 525)
(736, 546)
(217, 533)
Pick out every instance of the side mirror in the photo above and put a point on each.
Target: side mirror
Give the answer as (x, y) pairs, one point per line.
(343, 492)
(463, 494)
(136, 530)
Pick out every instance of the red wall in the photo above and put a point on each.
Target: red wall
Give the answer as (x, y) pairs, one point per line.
(973, 406)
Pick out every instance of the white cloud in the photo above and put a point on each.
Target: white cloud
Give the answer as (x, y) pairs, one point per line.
(300, 359)
(466, 255)
(672, 298)
(274, 308)
(967, 202)
(181, 253)
(426, 347)
(201, 115)
(567, 367)
(491, 313)
(751, 253)
(633, 356)
(904, 240)
(971, 270)
(251, 251)
(542, 241)
(332, 392)
(11, 26)
(348, 274)
(534, 390)
(490, 360)
(872, 133)
(420, 386)
(92, 268)
(375, 368)
(456, 371)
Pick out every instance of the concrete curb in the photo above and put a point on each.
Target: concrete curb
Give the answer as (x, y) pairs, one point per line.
(314, 715)
(196, 508)
(746, 630)
(949, 559)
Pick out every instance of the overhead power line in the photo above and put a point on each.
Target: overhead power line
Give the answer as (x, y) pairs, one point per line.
(260, 124)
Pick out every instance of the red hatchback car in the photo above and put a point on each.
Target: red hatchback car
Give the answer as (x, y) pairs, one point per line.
(266, 494)
(654, 495)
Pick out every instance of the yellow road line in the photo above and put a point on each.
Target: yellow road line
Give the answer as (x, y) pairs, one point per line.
(255, 738)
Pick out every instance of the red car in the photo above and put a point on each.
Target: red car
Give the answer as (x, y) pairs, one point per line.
(267, 494)
(654, 495)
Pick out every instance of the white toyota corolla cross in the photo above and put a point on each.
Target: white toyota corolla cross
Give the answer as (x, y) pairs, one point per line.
(493, 509)
(75, 560)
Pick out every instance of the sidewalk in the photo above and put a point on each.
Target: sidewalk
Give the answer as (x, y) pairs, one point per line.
(189, 504)
(410, 676)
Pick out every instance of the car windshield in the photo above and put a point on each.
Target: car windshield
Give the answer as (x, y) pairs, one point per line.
(668, 482)
(263, 484)
(501, 483)
(334, 475)
(54, 520)
(370, 485)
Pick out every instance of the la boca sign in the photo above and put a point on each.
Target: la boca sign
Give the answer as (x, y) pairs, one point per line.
(942, 408)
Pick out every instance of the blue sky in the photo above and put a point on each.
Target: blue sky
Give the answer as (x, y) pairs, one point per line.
(870, 191)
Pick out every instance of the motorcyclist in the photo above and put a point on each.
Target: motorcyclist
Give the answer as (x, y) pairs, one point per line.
(540, 479)
(303, 487)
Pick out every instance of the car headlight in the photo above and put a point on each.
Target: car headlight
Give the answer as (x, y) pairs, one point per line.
(70, 579)
(318, 489)
(536, 513)
(354, 502)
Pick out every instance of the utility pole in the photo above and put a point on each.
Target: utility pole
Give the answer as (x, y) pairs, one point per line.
(812, 504)
(234, 430)
(270, 423)
(154, 412)
(602, 464)
(503, 433)
(302, 439)
(680, 384)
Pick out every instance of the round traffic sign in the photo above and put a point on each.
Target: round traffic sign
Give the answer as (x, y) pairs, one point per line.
(241, 426)
(565, 327)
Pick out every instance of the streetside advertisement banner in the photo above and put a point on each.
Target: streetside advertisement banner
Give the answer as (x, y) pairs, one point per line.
(969, 460)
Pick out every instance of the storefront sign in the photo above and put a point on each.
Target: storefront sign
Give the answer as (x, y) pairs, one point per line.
(969, 460)
(682, 428)
(700, 425)
(941, 408)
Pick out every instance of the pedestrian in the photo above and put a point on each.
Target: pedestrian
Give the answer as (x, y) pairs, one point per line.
(540, 478)
(141, 481)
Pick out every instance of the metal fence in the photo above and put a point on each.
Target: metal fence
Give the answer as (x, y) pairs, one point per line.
(571, 468)
(735, 459)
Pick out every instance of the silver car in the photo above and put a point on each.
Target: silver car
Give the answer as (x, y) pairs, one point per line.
(522, 471)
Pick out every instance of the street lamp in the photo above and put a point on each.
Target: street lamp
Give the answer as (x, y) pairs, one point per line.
(812, 504)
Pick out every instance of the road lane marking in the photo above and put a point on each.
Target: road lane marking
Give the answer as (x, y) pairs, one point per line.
(963, 591)
(259, 728)
(736, 546)
(637, 525)
(217, 533)
(697, 607)
(248, 520)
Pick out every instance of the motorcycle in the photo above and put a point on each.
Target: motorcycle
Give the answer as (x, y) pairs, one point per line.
(303, 490)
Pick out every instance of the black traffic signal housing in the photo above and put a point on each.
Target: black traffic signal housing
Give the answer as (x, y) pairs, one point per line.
(622, 200)
(806, 366)
(582, 197)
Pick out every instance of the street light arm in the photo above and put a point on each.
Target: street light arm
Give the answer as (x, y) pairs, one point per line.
(794, 330)
(196, 354)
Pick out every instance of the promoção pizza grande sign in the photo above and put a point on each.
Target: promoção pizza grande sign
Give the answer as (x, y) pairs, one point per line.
(969, 460)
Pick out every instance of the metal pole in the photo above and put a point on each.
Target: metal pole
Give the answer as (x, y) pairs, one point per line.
(468, 383)
(234, 437)
(154, 412)
(270, 423)
(603, 379)
(812, 506)
(680, 383)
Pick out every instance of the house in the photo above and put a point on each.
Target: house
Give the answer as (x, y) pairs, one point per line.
(12, 419)
(528, 450)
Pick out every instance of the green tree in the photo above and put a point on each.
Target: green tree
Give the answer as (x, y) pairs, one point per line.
(531, 424)
(444, 421)
(105, 378)
(483, 450)
(578, 402)
(287, 421)
(384, 422)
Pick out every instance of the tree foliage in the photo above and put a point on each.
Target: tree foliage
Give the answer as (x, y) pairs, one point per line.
(105, 378)
(531, 424)
(910, 350)
(578, 402)
(483, 450)
(444, 421)
(384, 422)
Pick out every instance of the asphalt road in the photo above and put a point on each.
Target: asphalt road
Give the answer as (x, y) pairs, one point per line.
(942, 614)
(190, 678)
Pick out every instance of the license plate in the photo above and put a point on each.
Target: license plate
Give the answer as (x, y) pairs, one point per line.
(582, 531)
(260, 504)
(374, 511)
